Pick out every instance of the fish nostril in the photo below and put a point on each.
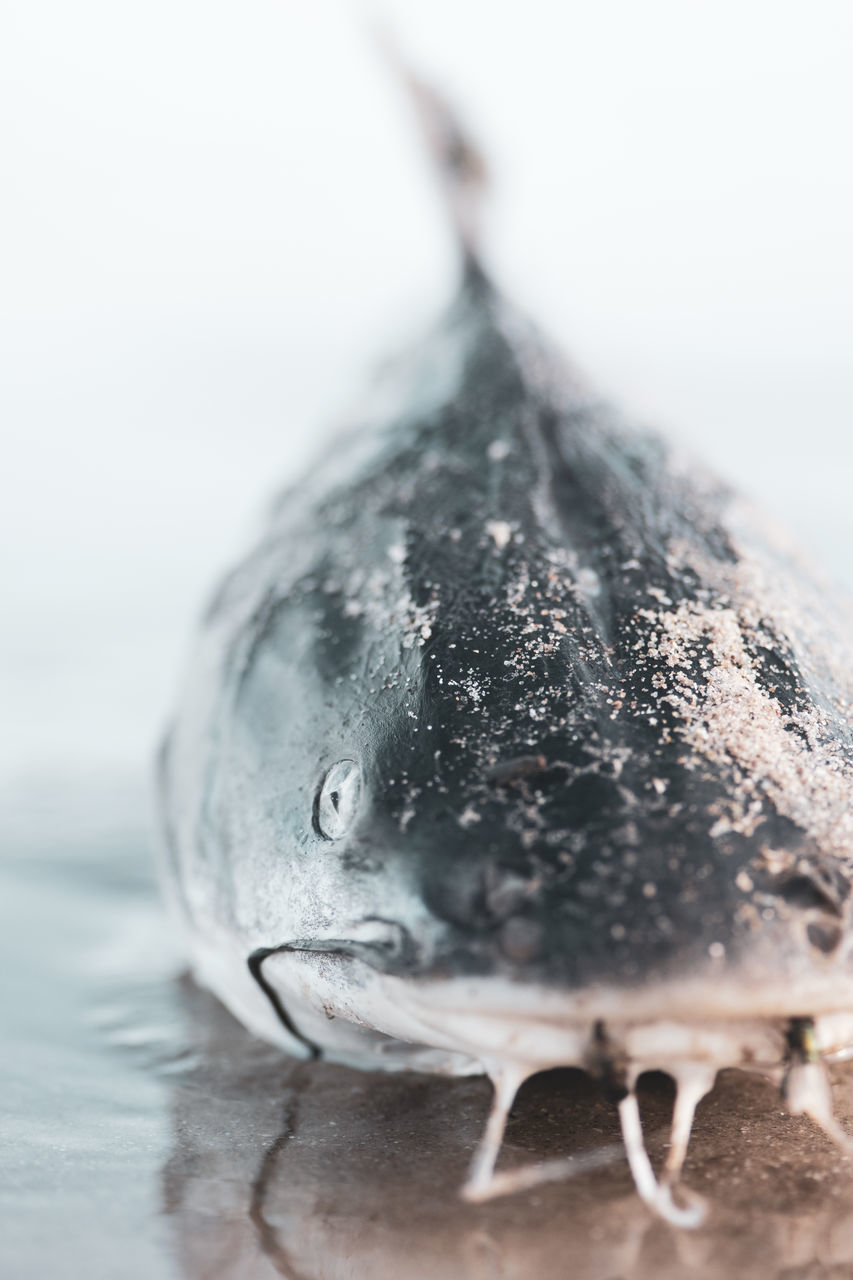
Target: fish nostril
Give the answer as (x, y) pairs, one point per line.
(504, 891)
(479, 897)
(520, 939)
(810, 893)
(509, 773)
(824, 935)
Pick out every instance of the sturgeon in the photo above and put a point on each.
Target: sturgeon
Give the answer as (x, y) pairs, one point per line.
(518, 741)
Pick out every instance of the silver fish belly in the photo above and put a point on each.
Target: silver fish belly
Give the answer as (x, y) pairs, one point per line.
(516, 743)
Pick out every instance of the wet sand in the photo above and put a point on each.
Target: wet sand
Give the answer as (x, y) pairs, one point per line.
(146, 1134)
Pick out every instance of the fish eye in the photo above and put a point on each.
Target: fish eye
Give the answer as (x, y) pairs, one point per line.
(338, 800)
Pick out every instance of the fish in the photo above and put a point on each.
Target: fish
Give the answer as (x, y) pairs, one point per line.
(520, 741)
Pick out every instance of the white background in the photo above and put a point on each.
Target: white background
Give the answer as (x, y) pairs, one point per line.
(216, 218)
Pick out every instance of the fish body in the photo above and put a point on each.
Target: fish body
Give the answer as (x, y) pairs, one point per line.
(518, 741)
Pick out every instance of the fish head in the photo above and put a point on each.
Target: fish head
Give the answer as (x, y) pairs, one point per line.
(510, 716)
(522, 747)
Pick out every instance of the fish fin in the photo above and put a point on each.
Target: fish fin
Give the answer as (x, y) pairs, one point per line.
(692, 1082)
(458, 161)
(512, 1181)
(507, 1081)
(657, 1195)
(807, 1091)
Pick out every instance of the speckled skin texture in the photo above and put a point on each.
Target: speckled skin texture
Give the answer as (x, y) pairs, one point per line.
(602, 718)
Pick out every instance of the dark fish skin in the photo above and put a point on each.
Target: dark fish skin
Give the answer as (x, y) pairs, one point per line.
(603, 722)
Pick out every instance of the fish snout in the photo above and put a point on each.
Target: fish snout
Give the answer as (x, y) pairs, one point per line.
(642, 911)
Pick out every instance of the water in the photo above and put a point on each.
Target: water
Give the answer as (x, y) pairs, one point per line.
(146, 1134)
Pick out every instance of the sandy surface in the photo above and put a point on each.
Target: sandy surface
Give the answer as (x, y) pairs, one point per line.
(147, 1135)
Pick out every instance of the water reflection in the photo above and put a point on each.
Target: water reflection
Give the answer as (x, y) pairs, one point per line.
(314, 1172)
(157, 1139)
(147, 1136)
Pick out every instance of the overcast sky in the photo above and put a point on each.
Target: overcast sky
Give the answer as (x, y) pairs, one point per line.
(215, 220)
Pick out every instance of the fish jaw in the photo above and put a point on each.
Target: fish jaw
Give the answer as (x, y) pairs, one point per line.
(647, 1029)
(492, 1020)
(511, 1031)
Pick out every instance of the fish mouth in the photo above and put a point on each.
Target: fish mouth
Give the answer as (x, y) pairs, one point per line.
(728, 1019)
(689, 1030)
(734, 1021)
(789, 1050)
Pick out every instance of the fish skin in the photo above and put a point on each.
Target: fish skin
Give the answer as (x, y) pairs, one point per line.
(603, 719)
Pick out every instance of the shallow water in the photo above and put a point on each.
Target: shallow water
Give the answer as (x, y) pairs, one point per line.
(145, 1134)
